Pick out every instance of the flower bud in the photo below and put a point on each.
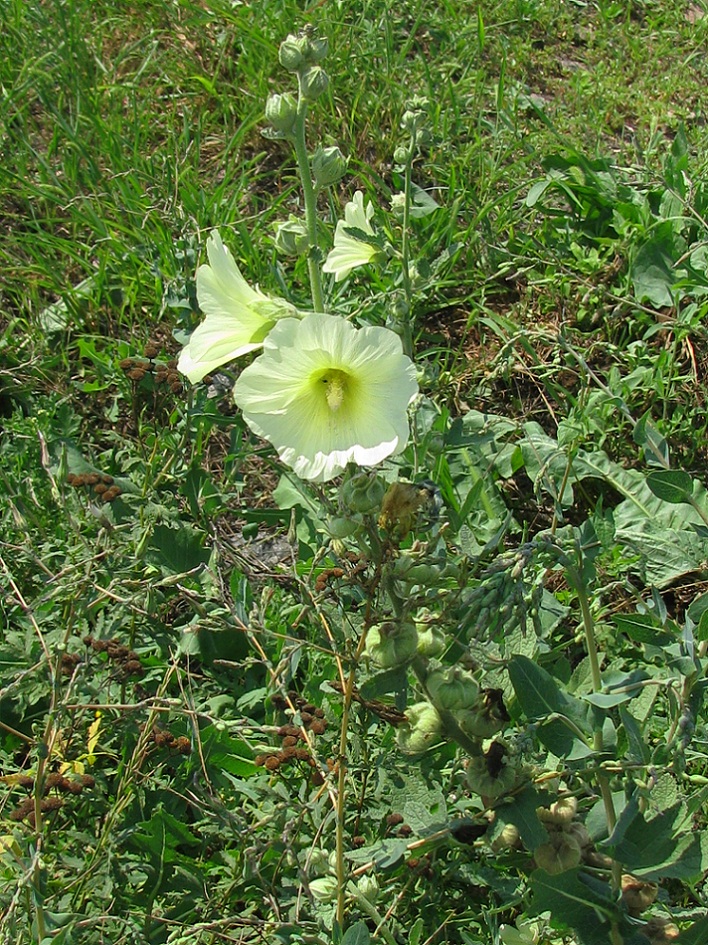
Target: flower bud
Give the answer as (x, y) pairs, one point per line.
(316, 48)
(328, 166)
(369, 888)
(291, 238)
(362, 493)
(324, 889)
(313, 82)
(281, 112)
(401, 505)
(561, 853)
(508, 839)
(401, 155)
(421, 729)
(451, 689)
(392, 644)
(291, 52)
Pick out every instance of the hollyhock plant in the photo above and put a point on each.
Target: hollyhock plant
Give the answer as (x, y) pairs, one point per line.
(349, 252)
(238, 317)
(325, 394)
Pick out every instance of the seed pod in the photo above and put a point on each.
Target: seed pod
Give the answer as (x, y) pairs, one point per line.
(421, 729)
(392, 644)
(637, 895)
(489, 775)
(281, 112)
(561, 853)
(451, 688)
(561, 812)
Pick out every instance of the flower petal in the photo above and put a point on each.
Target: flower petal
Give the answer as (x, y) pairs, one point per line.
(285, 398)
(348, 252)
(238, 317)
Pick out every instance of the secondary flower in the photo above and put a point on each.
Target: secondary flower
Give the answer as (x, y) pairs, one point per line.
(349, 252)
(325, 394)
(238, 317)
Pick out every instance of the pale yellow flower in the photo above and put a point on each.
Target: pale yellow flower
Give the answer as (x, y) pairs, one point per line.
(238, 317)
(349, 252)
(326, 394)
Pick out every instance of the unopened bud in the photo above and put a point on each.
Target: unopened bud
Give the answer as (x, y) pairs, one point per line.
(291, 52)
(313, 82)
(328, 166)
(281, 112)
(291, 238)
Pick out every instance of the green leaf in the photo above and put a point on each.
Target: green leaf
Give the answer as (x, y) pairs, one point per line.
(416, 932)
(357, 934)
(540, 697)
(521, 812)
(576, 901)
(643, 628)
(390, 680)
(671, 485)
(663, 847)
(652, 273)
(638, 750)
(697, 934)
(177, 550)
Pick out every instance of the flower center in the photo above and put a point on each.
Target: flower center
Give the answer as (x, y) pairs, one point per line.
(335, 382)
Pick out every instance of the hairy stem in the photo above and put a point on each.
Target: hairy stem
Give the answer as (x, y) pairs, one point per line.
(310, 198)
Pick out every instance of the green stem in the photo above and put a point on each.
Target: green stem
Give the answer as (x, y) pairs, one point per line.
(598, 743)
(405, 252)
(310, 198)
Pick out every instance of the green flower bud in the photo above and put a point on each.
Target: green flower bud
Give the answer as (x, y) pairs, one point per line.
(508, 839)
(291, 238)
(392, 644)
(324, 889)
(368, 888)
(281, 112)
(316, 49)
(451, 689)
(362, 493)
(291, 52)
(401, 155)
(420, 731)
(561, 853)
(328, 166)
(313, 82)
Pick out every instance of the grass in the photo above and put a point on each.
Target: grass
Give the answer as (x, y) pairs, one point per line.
(152, 647)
